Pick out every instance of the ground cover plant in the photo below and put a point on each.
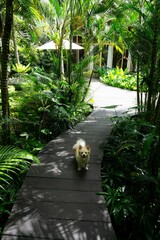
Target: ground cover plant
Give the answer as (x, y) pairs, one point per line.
(131, 179)
(117, 77)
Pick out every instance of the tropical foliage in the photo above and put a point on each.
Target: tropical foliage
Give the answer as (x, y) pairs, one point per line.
(44, 92)
(118, 78)
(14, 164)
(130, 172)
(37, 77)
(41, 108)
(130, 179)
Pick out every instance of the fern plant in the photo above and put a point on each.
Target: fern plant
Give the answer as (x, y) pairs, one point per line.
(14, 164)
(13, 161)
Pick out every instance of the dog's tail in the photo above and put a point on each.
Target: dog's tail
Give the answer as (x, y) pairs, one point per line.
(80, 142)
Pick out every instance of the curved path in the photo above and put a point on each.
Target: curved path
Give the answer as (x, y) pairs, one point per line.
(58, 202)
(106, 96)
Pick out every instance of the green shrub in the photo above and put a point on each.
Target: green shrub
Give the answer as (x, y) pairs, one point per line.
(130, 180)
(43, 106)
(118, 78)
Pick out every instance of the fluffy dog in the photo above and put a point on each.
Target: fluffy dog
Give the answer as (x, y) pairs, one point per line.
(82, 154)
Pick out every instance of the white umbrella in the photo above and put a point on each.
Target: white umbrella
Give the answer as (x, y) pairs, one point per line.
(65, 45)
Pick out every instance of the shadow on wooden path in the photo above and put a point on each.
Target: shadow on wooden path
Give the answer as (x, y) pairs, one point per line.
(58, 202)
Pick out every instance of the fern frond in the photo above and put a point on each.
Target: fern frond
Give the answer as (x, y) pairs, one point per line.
(13, 161)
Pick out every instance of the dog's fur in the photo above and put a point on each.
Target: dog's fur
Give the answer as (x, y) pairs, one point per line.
(82, 154)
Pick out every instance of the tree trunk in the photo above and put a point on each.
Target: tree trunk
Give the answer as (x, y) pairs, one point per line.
(15, 44)
(152, 91)
(60, 57)
(138, 87)
(60, 50)
(70, 51)
(1, 32)
(1, 26)
(4, 64)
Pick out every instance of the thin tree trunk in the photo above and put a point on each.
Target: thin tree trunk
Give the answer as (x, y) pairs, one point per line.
(15, 44)
(4, 64)
(100, 58)
(1, 26)
(70, 51)
(60, 51)
(138, 89)
(77, 51)
(152, 76)
(157, 114)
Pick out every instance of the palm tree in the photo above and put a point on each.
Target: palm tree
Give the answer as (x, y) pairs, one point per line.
(28, 10)
(4, 64)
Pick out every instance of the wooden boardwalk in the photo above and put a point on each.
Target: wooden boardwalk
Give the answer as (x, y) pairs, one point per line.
(58, 202)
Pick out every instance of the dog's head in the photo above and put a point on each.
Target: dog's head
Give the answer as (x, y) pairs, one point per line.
(84, 151)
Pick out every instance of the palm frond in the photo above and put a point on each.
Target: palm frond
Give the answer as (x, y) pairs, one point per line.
(13, 161)
(57, 7)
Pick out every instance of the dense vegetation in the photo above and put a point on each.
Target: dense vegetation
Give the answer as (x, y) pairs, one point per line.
(41, 108)
(118, 78)
(131, 181)
(43, 93)
(14, 164)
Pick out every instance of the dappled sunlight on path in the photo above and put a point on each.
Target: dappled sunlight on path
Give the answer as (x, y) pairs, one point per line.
(58, 202)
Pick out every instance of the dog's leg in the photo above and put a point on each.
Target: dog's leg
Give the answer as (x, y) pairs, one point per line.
(79, 166)
(86, 167)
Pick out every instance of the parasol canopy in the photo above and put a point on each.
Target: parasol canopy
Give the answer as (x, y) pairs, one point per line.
(66, 45)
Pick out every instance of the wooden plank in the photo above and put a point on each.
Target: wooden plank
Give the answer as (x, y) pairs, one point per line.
(68, 157)
(28, 229)
(63, 183)
(63, 169)
(59, 210)
(61, 196)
